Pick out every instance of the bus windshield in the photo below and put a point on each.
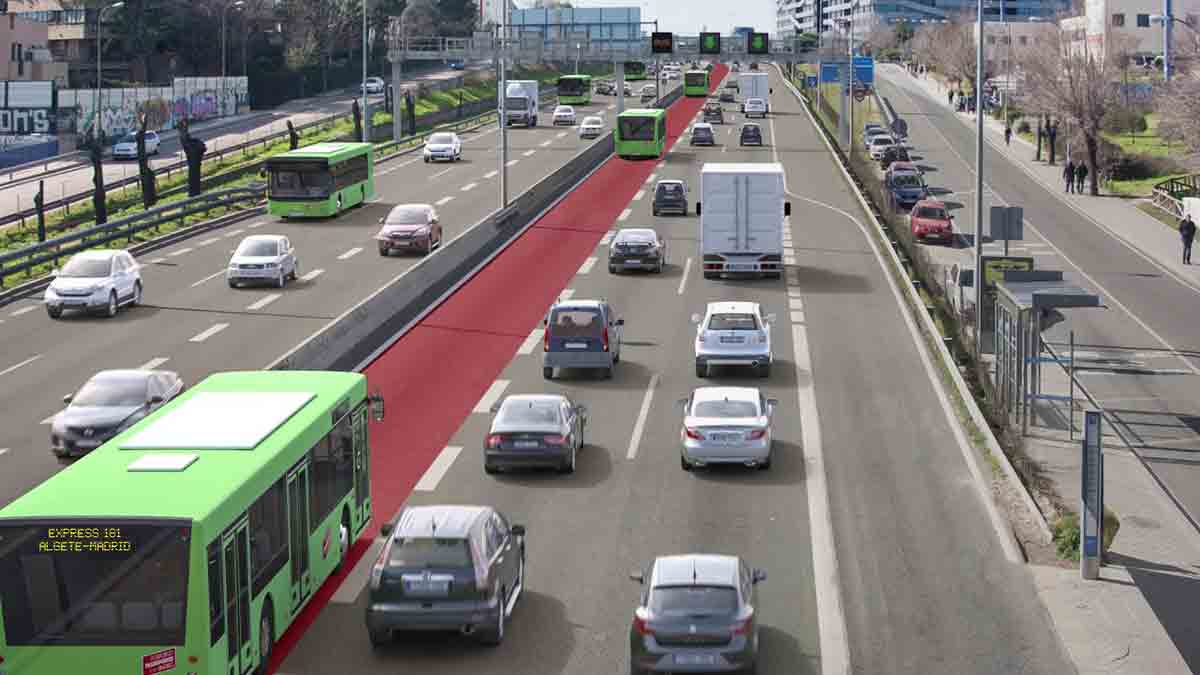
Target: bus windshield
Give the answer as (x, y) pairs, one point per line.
(636, 128)
(570, 86)
(301, 179)
(94, 583)
(695, 79)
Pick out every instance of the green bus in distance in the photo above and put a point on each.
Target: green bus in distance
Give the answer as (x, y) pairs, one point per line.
(695, 83)
(191, 541)
(635, 70)
(574, 89)
(641, 132)
(320, 180)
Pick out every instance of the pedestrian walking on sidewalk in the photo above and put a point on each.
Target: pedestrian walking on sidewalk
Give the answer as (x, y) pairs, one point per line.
(1081, 172)
(1008, 134)
(1187, 232)
(950, 97)
(1069, 175)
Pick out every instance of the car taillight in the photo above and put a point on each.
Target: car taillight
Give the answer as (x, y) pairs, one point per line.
(377, 570)
(641, 627)
(701, 336)
(554, 439)
(493, 441)
(742, 627)
(693, 434)
(604, 337)
(546, 340)
(756, 434)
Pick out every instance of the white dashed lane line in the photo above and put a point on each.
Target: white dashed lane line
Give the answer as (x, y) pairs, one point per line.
(24, 310)
(182, 251)
(255, 226)
(491, 174)
(546, 143)
(607, 238)
(624, 215)
(312, 275)
(566, 295)
(511, 162)
(531, 342)
(491, 397)
(441, 173)
(208, 332)
(153, 363)
(26, 362)
(443, 200)
(528, 153)
(3, 451)
(687, 267)
(587, 266)
(209, 277)
(433, 475)
(350, 254)
(469, 186)
(263, 302)
(561, 134)
(233, 233)
(206, 242)
(638, 197)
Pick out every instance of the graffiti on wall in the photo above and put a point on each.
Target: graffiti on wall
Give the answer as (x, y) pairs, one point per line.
(191, 98)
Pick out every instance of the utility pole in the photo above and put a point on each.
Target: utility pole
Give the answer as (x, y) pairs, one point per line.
(366, 110)
(979, 186)
(502, 96)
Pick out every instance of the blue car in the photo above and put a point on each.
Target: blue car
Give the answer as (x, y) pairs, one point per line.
(904, 187)
(457, 65)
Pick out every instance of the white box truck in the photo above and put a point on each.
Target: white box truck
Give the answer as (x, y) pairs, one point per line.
(521, 102)
(742, 211)
(754, 85)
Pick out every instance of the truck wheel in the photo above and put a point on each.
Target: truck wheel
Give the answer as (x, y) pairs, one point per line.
(701, 370)
(710, 275)
(548, 372)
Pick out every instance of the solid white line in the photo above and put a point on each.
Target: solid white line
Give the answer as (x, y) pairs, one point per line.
(350, 254)
(797, 317)
(24, 310)
(687, 267)
(566, 295)
(356, 580)
(263, 302)
(433, 475)
(607, 238)
(208, 332)
(491, 174)
(511, 162)
(180, 252)
(211, 276)
(444, 200)
(625, 215)
(233, 233)
(158, 261)
(255, 226)
(587, 266)
(528, 153)
(26, 362)
(312, 275)
(469, 186)
(640, 425)
(491, 396)
(639, 195)
(546, 143)
(443, 172)
(795, 303)
(531, 342)
(650, 178)
(206, 242)
(154, 363)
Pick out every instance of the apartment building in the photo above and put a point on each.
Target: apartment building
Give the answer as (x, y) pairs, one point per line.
(1127, 23)
(822, 16)
(24, 51)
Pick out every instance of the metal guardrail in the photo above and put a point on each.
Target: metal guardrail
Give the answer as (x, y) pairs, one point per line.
(24, 261)
(1168, 195)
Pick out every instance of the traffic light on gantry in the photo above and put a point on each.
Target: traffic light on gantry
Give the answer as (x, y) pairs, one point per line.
(758, 43)
(710, 43)
(661, 43)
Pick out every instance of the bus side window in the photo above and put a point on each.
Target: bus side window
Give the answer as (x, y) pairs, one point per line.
(216, 600)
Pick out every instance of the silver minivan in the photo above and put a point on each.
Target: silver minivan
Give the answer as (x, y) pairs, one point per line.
(581, 334)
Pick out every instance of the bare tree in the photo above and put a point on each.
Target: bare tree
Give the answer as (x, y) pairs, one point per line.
(1073, 84)
(881, 36)
(1178, 121)
(924, 44)
(953, 46)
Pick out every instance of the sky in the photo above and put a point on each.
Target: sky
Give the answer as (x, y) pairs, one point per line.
(689, 16)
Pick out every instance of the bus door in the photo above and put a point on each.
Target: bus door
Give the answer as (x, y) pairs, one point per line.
(235, 546)
(298, 530)
(362, 471)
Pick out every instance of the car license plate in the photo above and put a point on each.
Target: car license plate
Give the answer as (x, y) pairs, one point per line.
(633, 262)
(525, 444)
(430, 587)
(576, 345)
(727, 437)
(695, 659)
(727, 339)
(741, 267)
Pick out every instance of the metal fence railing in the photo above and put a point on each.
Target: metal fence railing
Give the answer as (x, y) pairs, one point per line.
(1168, 195)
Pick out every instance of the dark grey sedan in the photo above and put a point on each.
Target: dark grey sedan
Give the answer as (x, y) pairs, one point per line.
(638, 248)
(751, 135)
(535, 430)
(109, 403)
(696, 615)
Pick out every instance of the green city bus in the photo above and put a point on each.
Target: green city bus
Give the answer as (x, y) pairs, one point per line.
(695, 83)
(575, 89)
(641, 132)
(191, 541)
(320, 180)
(635, 70)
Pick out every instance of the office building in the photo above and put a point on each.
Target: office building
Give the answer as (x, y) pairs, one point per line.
(822, 16)
(611, 26)
(1126, 25)
(491, 12)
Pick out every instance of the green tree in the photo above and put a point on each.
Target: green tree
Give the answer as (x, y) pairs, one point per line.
(457, 17)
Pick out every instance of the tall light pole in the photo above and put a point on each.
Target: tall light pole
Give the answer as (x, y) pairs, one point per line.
(979, 185)
(99, 70)
(1167, 20)
(366, 123)
(502, 96)
(224, 13)
(578, 47)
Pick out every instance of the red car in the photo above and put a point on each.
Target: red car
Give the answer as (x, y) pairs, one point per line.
(409, 227)
(931, 220)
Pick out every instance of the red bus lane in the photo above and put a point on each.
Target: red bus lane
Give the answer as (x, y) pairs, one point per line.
(433, 376)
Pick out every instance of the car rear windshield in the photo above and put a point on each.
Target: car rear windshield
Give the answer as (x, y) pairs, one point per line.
(86, 267)
(672, 189)
(94, 583)
(258, 248)
(932, 212)
(724, 408)
(568, 323)
(881, 140)
(733, 322)
(712, 107)
(636, 237)
(441, 139)
(519, 412)
(906, 180)
(402, 215)
(430, 552)
(112, 391)
(693, 600)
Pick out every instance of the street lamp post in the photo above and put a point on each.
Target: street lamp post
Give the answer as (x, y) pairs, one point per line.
(578, 47)
(225, 13)
(99, 69)
(1168, 20)
(366, 112)
(979, 184)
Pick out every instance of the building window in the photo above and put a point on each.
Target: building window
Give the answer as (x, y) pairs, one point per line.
(1118, 20)
(1143, 20)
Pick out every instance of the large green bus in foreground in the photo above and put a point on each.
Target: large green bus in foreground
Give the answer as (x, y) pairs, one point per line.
(575, 89)
(695, 83)
(320, 180)
(641, 132)
(191, 541)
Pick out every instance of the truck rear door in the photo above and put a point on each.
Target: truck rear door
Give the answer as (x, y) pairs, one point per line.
(719, 219)
(762, 199)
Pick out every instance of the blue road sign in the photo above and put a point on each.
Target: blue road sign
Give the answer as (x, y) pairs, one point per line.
(864, 69)
(811, 81)
(1091, 508)
(830, 72)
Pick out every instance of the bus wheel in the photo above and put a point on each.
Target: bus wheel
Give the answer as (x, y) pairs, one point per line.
(266, 637)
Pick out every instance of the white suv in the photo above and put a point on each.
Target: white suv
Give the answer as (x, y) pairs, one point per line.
(755, 106)
(733, 334)
(101, 280)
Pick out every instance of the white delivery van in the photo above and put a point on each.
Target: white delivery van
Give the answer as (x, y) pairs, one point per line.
(753, 84)
(521, 102)
(742, 211)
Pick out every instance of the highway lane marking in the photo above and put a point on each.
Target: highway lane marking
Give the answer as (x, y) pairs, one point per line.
(469, 186)
(531, 342)
(158, 261)
(794, 292)
(546, 144)
(661, 164)
(234, 233)
(24, 310)
(491, 396)
(607, 238)
(587, 265)
(356, 580)
(263, 302)
(350, 254)
(182, 251)
(208, 332)
(789, 259)
(566, 295)
(650, 178)
(435, 472)
(3, 451)
(528, 153)
(154, 363)
(443, 200)
(511, 162)
(50, 419)
(640, 425)
(441, 173)
(26, 362)
(206, 242)
(560, 134)
(624, 215)
(687, 267)
(209, 277)
(491, 174)
(638, 197)
(312, 275)
(795, 303)
(611, 106)
(255, 226)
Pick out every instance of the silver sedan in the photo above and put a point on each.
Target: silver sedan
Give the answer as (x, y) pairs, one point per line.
(726, 425)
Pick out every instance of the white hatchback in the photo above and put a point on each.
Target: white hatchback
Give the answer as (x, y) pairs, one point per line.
(591, 127)
(263, 257)
(879, 145)
(442, 145)
(564, 114)
(733, 334)
(126, 148)
(99, 280)
(755, 106)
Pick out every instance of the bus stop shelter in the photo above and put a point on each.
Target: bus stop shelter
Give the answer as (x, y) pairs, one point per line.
(1027, 303)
